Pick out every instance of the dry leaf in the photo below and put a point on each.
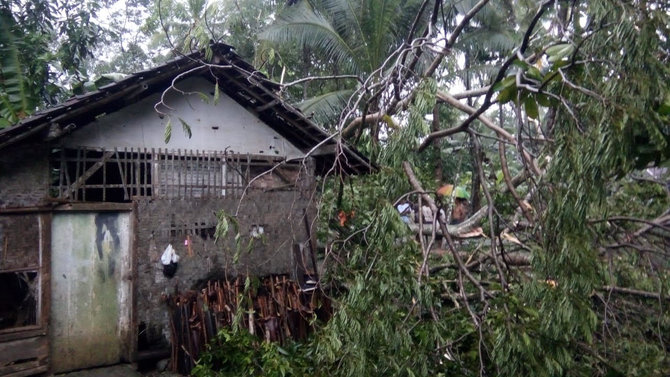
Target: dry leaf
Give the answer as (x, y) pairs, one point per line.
(508, 237)
(445, 190)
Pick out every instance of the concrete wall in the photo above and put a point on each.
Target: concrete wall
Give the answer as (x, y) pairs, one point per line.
(24, 175)
(215, 127)
(19, 241)
(280, 213)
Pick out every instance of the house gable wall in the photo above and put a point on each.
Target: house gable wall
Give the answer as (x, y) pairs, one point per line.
(224, 126)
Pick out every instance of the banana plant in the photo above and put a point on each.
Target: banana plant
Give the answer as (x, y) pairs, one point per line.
(17, 100)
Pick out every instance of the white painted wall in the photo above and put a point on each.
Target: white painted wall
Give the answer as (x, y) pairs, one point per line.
(224, 126)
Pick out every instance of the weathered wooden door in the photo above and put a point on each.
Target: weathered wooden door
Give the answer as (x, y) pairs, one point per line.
(90, 289)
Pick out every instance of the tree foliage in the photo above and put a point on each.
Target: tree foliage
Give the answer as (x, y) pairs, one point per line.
(570, 109)
(44, 46)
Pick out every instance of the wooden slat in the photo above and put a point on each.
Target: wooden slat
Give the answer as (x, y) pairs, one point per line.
(46, 220)
(179, 175)
(131, 341)
(95, 206)
(104, 178)
(61, 178)
(80, 182)
(84, 170)
(173, 174)
(25, 369)
(188, 173)
(142, 164)
(195, 174)
(209, 174)
(23, 349)
(76, 173)
(128, 168)
(156, 188)
(24, 332)
(201, 174)
(67, 179)
(142, 173)
(218, 173)
(122, 174)
(138, 173)
(154, 172)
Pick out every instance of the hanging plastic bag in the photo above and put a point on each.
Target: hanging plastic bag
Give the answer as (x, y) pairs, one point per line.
(169, 260)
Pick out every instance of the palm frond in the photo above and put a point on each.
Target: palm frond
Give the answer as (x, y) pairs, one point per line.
(301, 24)
(484, 40)
(382, 30)
(326, 107)
(499, 10)
(345, 16)
(477, 71)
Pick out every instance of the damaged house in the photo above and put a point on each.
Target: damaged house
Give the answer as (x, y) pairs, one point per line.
(91, 196)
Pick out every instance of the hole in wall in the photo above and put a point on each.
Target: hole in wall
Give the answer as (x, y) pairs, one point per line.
(18, 299)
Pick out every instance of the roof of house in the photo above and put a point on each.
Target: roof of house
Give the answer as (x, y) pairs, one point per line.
(244, 84)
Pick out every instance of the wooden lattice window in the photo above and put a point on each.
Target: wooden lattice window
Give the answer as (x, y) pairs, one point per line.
(118, 175)
(98, 175)
(193, 174)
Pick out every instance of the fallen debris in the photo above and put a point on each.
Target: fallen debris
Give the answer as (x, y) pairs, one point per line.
(277, 310)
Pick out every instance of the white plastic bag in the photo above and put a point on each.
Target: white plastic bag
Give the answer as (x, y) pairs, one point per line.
(169, 255)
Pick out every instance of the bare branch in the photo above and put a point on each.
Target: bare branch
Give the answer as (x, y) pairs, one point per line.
(635, 292)
(316, 78)
(453, 37)
(431, 203)
(472, 93)
(501, 72)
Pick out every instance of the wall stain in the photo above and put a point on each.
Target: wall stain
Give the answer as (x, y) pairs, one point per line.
(107, 241)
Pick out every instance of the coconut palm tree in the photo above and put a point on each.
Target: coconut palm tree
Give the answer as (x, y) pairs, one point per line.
(348, 37)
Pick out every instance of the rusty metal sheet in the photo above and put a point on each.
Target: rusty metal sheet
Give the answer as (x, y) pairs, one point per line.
(90, 307)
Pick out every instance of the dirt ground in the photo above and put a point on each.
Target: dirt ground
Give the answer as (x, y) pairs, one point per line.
(121, 370)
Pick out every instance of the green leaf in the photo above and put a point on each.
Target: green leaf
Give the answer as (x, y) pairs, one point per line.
(186, 128)
(507, 94)
(19, 100)
(664, 107)
(559, 52)
(533, 72)
(543, 100)
(521, 64)
(204, 97)
(222, 226)
(504, 83)
(531, 107)
(168, 130)
(555, 49)
(217, 93)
